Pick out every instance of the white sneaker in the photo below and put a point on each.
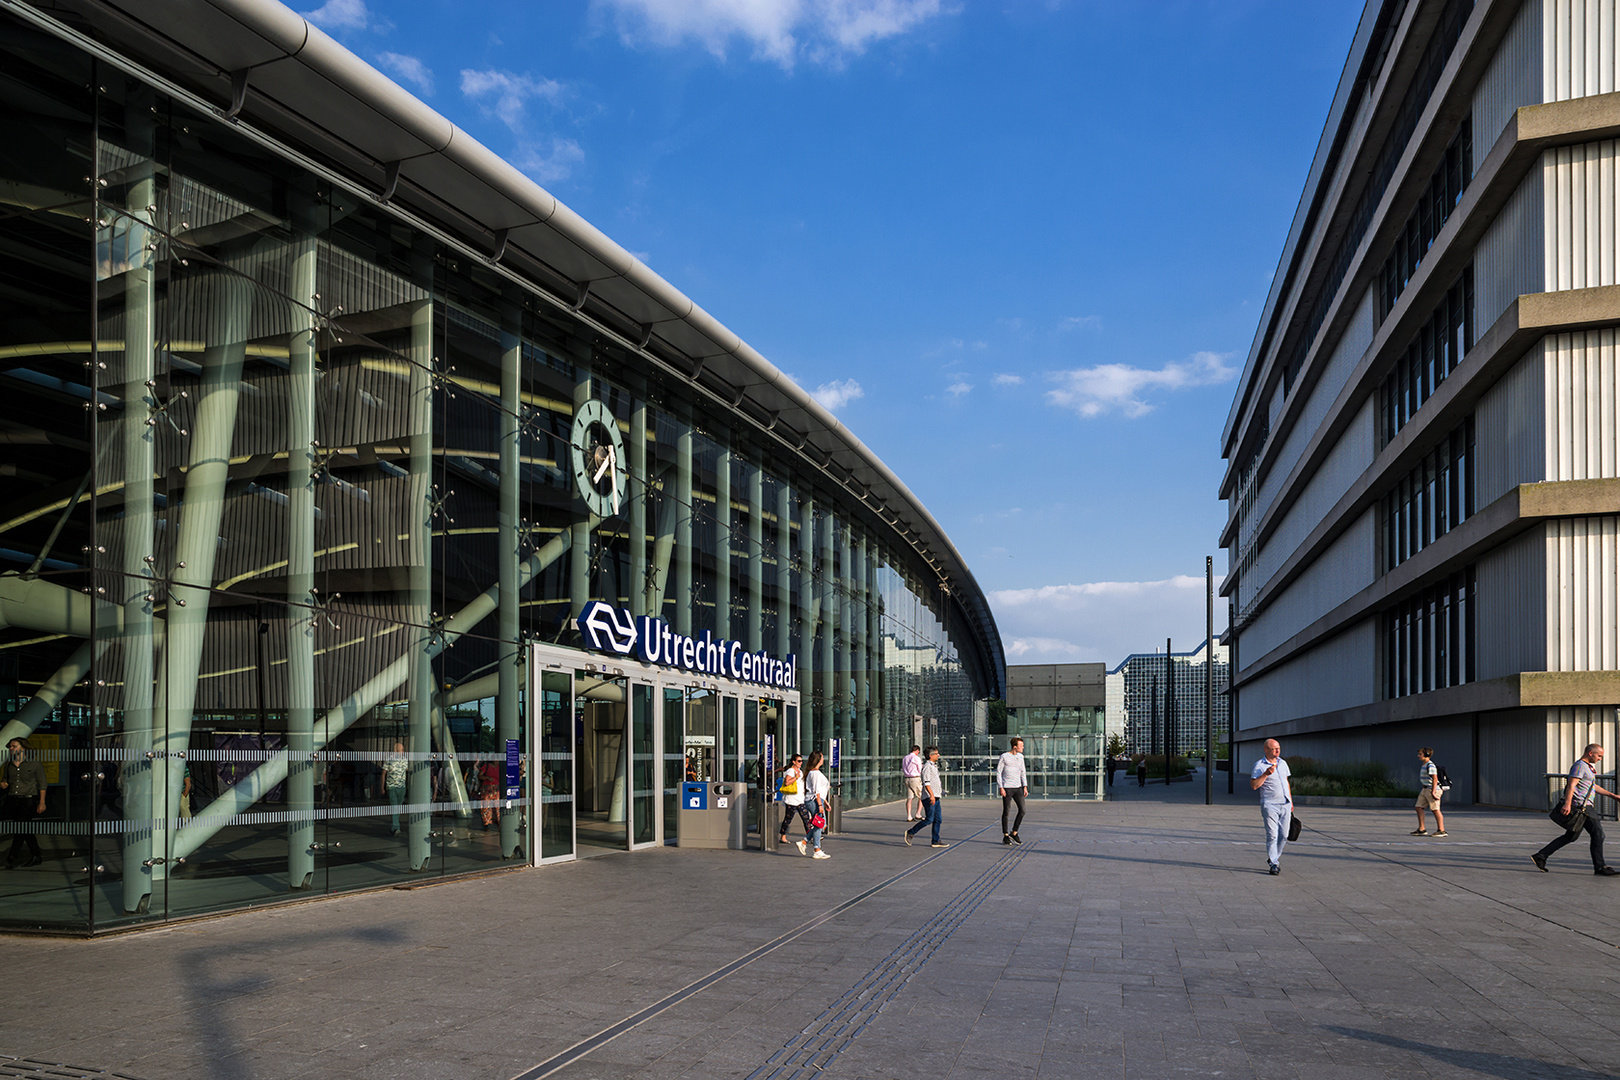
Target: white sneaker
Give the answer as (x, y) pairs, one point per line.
(804, 848)
(821, 855)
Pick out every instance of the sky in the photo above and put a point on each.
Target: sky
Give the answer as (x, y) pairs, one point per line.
(1019, 247)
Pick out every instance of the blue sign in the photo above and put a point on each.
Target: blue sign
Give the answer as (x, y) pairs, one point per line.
(770, 753)
(608, 629)
(512, 768)
(832, 758)
(694, 796)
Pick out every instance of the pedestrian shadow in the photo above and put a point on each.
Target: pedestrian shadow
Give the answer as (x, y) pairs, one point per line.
(1503, 1065)
(218, 982)
(1145, 860)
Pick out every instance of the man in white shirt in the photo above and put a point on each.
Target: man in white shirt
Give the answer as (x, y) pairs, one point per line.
(931, 796)
(1270, 778)
(1580, 792)
(911, 772)
(1013, 785)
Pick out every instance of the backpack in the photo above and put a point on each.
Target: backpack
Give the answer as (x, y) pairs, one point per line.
(1440, 775)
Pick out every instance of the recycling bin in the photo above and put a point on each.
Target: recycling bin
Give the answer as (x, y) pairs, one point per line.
(712, 814)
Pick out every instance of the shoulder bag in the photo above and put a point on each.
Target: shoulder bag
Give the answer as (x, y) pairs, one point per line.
(1573, 822)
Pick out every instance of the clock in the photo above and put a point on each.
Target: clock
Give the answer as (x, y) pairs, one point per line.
(598, 456)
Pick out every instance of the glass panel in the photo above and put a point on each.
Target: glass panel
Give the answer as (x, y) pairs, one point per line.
(644, 765)
(600, 789)
(702, 723)
(674, 757)
(732, 765)
(753, 759)
(556, 730)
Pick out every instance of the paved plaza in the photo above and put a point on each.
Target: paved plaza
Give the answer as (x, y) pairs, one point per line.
(1140, 937)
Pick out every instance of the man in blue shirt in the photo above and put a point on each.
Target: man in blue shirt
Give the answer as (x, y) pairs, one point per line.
(1270, 778)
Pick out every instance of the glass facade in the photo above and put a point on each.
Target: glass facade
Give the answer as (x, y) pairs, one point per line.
(291, 483)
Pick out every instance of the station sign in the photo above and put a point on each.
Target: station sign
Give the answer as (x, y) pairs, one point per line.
(608, 629)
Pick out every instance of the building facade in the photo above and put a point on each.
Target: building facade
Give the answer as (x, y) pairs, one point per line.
(1422, 454)
(1058, 710)
(1137, 701)
(370, 517)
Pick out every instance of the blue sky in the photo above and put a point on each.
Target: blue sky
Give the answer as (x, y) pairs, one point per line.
(1018, 247)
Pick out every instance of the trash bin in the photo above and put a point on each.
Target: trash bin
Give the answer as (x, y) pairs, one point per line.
(712, 815)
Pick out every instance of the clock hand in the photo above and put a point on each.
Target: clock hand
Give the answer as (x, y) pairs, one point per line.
(607, 463)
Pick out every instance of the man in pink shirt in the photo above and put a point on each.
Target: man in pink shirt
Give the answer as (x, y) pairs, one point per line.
(911, 772)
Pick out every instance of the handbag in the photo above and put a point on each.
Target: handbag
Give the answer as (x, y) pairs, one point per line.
(1294, 827)
(817, 821)
(1573, 822)
(789, 786)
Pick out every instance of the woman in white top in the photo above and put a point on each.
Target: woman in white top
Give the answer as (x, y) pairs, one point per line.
(792, 789)
(816, 790)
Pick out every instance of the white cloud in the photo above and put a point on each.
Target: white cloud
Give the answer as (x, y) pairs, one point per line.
(1101, 620)
(838, 393)
(1121, 388)
(1005, 379)
(778, 31)
(505, 94)
(407, 69)
(340, 15)
(958, 388)
(1080, 322)
(550, 161)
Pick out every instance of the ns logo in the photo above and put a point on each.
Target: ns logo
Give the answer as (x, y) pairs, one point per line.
(606, 628)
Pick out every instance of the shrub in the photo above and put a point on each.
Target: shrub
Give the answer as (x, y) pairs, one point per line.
(1356, 779)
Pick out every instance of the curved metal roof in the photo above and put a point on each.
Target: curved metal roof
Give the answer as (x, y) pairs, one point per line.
(259, 60)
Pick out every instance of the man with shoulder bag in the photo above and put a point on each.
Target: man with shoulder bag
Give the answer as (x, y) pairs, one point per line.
(1576, 812)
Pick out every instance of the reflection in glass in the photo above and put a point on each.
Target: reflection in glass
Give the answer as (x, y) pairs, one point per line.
(556, 740)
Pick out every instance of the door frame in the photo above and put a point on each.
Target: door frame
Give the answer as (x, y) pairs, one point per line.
(558, 658)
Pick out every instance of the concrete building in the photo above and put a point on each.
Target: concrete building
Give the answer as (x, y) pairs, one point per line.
(1136, 700)
(1423, 454)
(369, 517)
(1058, 709)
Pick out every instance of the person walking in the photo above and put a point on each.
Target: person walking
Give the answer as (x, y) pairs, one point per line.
(1013, 784)
(1141, 771)
(1270, 778)
(22, 780)
(1580, 792)
(932, 793)
(911, 772)
(396, 774)
(1429, 792)
(792, 790)
(816, 789)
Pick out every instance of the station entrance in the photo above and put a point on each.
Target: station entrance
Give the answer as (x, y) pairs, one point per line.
(614, 739)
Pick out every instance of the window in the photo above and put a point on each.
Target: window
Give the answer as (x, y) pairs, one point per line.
(1429, 638)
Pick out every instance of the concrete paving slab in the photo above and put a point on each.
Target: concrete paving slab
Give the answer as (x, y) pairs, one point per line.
(1137, 937)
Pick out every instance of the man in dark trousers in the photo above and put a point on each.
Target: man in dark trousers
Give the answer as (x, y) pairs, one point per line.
(23, 782)
(1141, 771)
(1579, 793)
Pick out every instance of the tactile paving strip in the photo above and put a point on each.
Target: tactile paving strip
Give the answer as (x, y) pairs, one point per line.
(835, 1029)
(13, 1068)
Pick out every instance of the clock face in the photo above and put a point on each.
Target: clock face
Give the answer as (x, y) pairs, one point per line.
(598, 457)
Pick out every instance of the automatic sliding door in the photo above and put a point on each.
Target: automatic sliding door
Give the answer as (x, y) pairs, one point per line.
(601, 763)
(555, 732)
(674, 725)
(643, 767)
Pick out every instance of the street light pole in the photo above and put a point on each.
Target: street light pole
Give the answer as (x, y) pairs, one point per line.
(1209, 681)
(1169, 707)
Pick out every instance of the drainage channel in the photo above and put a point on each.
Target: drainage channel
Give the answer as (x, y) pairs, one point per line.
(837, 1028)
(587, 1046)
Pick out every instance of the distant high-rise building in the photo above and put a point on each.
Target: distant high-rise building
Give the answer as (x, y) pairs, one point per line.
(1423, 455)
(1135, 697)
